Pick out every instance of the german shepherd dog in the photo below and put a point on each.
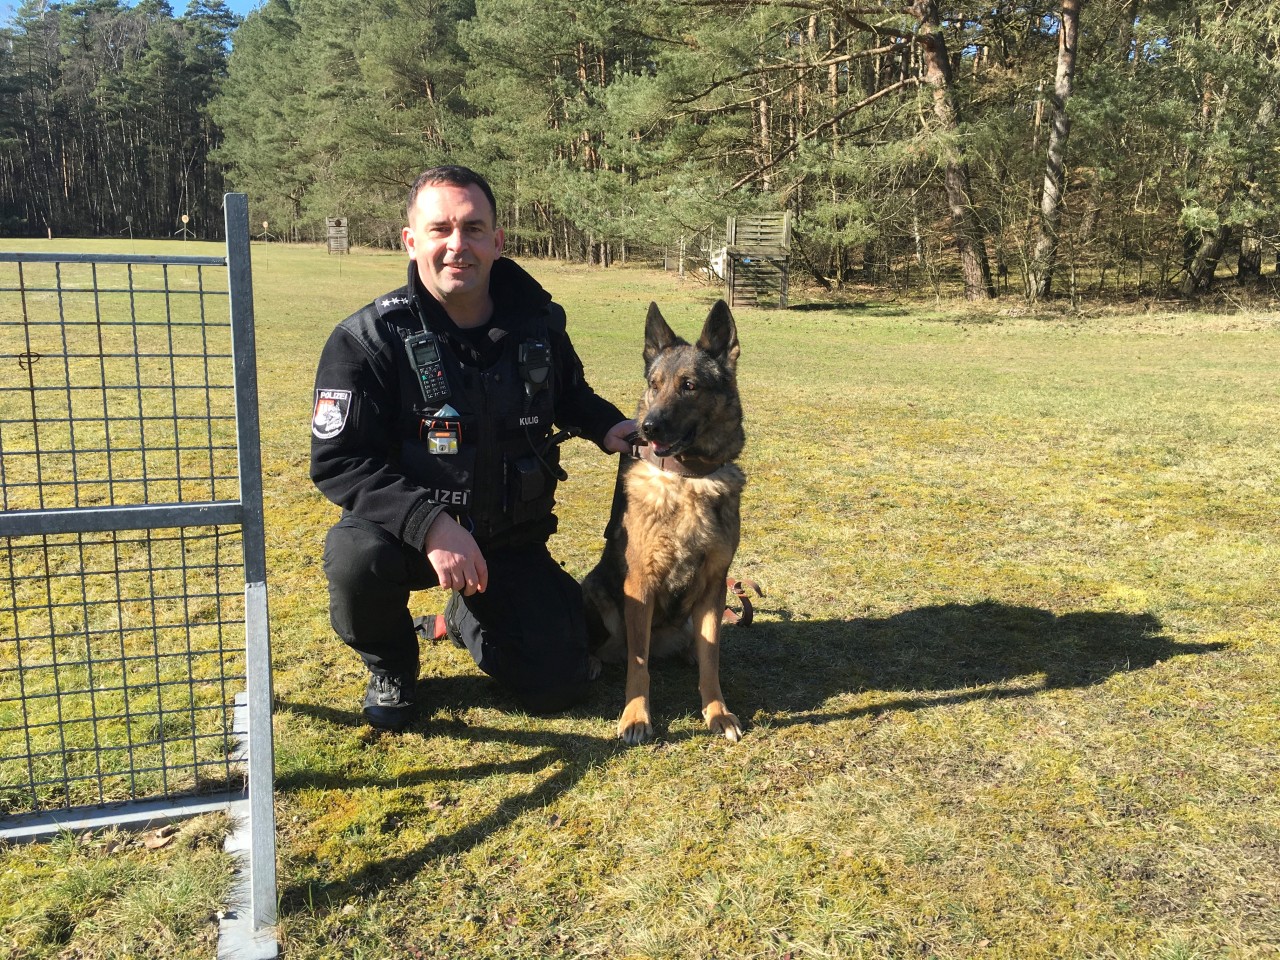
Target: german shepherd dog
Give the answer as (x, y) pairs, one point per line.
(659, 587)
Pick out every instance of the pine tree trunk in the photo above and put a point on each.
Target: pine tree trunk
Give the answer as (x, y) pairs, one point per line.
(1199, 275)
(969, 234)
(766, 144)
(1249, 266)
(1124, 36)
(1203, 265)
(1046, 251)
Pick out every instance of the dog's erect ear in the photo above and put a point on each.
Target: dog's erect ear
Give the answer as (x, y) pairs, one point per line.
(720, 335)
(658, 336)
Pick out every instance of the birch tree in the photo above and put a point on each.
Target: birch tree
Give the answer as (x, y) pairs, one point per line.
(1055, 175)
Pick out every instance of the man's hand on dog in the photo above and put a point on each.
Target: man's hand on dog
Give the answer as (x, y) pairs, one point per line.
(455, 556)
(618, 439)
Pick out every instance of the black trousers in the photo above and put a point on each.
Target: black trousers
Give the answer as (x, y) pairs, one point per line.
(526, 630)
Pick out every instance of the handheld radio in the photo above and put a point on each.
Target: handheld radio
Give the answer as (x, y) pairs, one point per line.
(534, 360)
(424, 357)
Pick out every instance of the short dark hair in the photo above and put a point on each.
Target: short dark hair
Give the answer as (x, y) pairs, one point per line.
(454, 176)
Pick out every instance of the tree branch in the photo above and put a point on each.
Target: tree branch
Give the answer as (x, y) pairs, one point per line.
(831, 122)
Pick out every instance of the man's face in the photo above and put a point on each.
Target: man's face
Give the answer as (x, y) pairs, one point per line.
(452, 238)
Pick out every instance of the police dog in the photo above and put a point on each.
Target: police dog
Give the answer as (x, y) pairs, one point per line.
(659, 587)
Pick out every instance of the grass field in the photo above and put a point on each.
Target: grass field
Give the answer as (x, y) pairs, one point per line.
(1014, 691)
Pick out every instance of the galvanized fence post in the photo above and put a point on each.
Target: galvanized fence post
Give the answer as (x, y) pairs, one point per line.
(258, 690)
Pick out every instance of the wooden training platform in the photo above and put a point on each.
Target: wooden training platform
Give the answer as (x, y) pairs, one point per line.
(756, 253)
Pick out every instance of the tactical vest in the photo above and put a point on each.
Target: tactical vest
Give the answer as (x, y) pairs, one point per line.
(503, 473)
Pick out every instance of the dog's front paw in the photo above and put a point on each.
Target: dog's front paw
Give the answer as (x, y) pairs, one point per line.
(634, 727)
(721, 721)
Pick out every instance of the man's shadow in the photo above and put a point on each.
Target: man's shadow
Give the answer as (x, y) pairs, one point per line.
(785, 670)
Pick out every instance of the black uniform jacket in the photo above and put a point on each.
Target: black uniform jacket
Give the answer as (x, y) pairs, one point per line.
(371, 428)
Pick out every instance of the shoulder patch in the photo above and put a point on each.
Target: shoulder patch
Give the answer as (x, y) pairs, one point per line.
(330, 413)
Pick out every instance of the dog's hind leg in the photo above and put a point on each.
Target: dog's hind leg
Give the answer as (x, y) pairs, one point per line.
(706, 620)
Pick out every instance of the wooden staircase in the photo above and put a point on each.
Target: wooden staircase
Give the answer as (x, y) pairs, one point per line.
(758, 246)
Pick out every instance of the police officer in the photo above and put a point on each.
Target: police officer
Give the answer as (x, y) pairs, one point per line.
(433, 424)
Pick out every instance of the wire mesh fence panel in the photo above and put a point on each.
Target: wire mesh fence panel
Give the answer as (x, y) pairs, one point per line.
(135, 671)
(116, 386)
(124, 648)
(119, 676)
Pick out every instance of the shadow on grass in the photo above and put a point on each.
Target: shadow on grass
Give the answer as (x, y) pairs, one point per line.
(936, 656)
(827, 306)
(562, 759)
(879, 308)
(949, 649)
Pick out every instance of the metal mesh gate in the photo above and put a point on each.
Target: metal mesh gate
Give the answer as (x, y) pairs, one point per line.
(134, 662)
(119, 680)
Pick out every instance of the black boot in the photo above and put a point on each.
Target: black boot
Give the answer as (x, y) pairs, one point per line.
(389, 701)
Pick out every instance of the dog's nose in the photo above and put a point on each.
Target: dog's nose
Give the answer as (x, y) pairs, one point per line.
(651, 426)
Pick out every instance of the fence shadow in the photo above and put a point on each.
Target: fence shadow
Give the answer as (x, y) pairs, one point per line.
(789, 670)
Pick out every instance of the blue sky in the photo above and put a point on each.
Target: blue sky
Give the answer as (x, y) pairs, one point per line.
(7, 7)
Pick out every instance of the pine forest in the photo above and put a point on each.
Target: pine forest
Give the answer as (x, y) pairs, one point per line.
(1082, 147)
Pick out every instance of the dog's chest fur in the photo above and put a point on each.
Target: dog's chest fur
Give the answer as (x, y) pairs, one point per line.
(681, 521)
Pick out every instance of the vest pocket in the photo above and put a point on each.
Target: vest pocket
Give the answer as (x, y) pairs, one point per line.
(530, 487)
